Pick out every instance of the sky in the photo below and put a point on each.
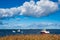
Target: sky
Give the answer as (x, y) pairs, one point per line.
(29, 14)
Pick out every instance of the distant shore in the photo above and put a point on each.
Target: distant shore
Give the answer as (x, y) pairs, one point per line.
(32, 37)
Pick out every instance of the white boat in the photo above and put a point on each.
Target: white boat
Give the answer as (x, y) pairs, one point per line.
(44, 31)
(18, 30)
(13, 31)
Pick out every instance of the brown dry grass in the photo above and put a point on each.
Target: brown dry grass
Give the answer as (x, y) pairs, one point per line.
(31, 37)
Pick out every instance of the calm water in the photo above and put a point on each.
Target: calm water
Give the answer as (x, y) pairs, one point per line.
(5, 32)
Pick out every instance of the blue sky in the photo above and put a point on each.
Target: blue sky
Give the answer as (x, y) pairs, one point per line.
(29, 14)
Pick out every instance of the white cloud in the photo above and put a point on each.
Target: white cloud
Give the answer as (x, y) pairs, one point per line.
(34, 25)
(42, 25)
(38, 9)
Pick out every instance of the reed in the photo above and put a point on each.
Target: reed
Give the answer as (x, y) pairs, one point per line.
(32, 37)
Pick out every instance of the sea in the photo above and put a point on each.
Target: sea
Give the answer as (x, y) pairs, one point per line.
(7, 32)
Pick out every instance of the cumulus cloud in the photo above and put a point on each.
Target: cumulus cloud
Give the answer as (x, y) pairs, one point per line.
(37, 9)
